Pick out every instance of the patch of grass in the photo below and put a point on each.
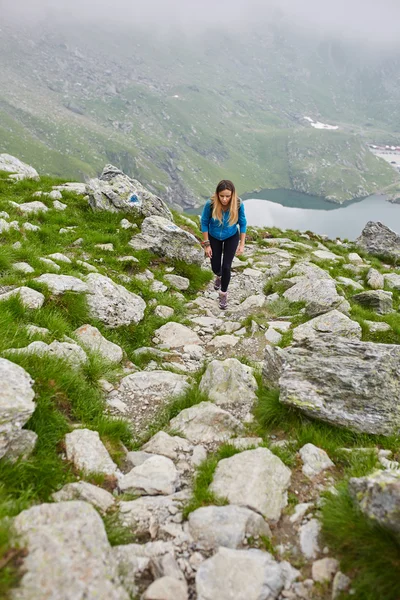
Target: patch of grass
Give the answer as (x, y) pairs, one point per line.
(197, 276)
(202, 495)
(369, 551)
(117, 533)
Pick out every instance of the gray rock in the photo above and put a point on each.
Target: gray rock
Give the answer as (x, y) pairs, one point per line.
(167, 445)
(378, 496)
(392, 280)
(82, 490)
(131, 567)
(240, 575)
(355, 259)
(375, 326)
(206, 422)
(106, 247)
(229, 382)
(272, 366)
(67, 351)
(91, 338)
(178, 282)
(60, 257)
(153, 386)
(213, 526)
(146, 514)
(320, 295)
(50, 263)
(30, 227)
(377, 300)
(85, 449)
(165, 312)
(114, 191)
(379, 240)
(254, 478)
(333, 322)
(58, 205)
(315, 460)
(344, 382)
(134, 459)
(326, 255)
(69, 555)
(16, 402)
(167, 239)
(21, 446)
(340, 584)
(59, 284)
(175, 335)
(309, 533)
(17, 168)
(74, 187)
(346, 281)
(30, 298)
(55, 195)
(87, 266)
(112, 303)
(32, 208)
(157, 475)
(323, 570)
(34, 330)
(375, 279)
(24, 267)
(167, 588)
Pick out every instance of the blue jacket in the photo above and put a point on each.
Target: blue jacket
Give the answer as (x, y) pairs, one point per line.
(223, 230)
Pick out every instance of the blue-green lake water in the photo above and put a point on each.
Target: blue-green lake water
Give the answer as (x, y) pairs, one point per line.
(286, 209)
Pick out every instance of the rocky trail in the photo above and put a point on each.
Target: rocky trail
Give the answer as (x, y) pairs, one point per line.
(245, 425)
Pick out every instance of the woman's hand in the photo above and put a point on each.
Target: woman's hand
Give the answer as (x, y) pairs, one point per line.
(208, 251)
(240, 250)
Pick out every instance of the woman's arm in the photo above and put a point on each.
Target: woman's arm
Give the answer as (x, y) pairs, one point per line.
(205, 220)
(242, 221)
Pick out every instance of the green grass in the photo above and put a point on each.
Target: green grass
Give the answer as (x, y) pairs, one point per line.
(369, 552)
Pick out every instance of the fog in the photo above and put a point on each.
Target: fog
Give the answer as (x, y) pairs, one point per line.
(370, 22)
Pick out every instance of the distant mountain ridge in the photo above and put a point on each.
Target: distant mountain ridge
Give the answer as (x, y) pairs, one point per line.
(179, 114)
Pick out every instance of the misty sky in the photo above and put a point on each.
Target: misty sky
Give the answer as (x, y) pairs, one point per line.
(370, 20)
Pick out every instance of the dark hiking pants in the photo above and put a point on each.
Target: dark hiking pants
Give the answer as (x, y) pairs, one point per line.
(223, 252)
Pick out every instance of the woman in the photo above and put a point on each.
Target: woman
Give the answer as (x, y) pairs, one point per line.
(221, 217)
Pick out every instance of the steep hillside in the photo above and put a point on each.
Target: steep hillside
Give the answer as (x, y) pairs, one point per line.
(155, 446)
(180, 114)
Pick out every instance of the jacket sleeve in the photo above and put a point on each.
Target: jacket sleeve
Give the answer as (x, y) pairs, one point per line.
(242, 219)
(205, 216)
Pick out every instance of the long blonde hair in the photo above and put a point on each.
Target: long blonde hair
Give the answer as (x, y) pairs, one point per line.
(225, 184)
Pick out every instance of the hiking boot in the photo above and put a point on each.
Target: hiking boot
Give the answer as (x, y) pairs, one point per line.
(217, 283)
(223, 300)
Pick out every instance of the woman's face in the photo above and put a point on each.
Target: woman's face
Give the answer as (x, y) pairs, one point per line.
(225, 197)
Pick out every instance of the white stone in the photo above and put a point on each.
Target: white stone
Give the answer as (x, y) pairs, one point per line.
(323, 570)
(30, 227)
(58, 284)
(82, 490)
(59, 205)
(392, 280)
(166, 445)
(23, 267)
(229, 382)
(91, 338)
(155, 385)
(112, 303)
(272, 336)
(325, 255)
(67, 351)
(60, 257)
(254, 478)
(355, 259)
(85, 449)
(29, 298)
(165, 312)
(178, 282)
(315, 460)
(375, 326)
(68, 554)
(19, 169)
(16, 401)
(106, 247)
(214, 526)
(333, 322)
(127, 259)
(87, 266)
(309, 538)
(223, 342)
(175, 335)
(21, 446)
(32, 208)
(55, 195)
(346, 281)
(166, 588)
(206, 422)
(299, 511)
(240, 575)
(50, 263)
(148, 513)
(281, 326)
(157, 475)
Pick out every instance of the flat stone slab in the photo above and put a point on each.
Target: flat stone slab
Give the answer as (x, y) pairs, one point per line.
(333, 322)
(91, 338)
(157, 475)
(85, 449)
(377, 300)
(228, 526)
(175, 335)
(254, 478)
(206, 422)
(30, 298)
(59, 284)
(229, 382)
(82, 490)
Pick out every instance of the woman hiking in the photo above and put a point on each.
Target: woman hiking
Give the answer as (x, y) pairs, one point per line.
(222, 219)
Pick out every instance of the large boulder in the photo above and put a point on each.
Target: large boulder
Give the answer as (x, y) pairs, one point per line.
(254, 478)
(379, 240)
(333, 322)
(112, 303)
(319, 295)
(114, 191)
(16, 402)
(378, 496)
(377, 300)
(17, 168)
(345, 382)
(167, 239)
(68, 554)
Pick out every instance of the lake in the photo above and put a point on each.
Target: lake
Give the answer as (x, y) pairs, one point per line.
(286, 209)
